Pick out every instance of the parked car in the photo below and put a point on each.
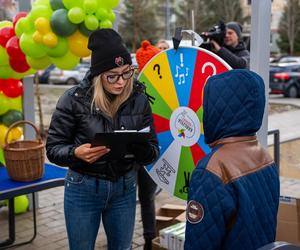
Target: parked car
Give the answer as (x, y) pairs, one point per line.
(43, 75)
(285, 79)
(286, 59)
(69, 77)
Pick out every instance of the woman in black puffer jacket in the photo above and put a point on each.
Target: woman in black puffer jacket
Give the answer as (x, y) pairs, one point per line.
(98, 187)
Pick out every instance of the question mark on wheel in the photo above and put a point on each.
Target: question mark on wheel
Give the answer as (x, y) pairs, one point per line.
(158, 70)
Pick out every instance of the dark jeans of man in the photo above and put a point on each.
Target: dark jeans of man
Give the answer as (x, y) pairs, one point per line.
(146, 193)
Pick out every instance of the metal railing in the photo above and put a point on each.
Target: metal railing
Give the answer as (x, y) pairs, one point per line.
(276, 144)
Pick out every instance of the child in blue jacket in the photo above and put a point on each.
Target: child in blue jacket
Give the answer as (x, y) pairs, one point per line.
(234, 191)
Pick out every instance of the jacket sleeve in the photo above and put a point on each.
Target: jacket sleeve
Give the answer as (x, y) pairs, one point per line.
(60, 141)
(217, 208)
(240, 61)
(148, 122)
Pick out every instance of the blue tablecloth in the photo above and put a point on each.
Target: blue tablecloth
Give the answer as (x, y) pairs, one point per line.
(53, 176)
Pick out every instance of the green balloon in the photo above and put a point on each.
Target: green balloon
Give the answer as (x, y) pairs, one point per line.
(5, 73)
(38, 63)
(90, 6)
(56, 4)
(4, 59)
(111, 16)
(17, 75)
(84, 30)
(2, 160)
(108, 4)
(16, 103)
(102, 14)
(91, 22)
(40, 11)
(69, 4)
(68, 61)
(5, 23)
(41, 2)
(105, 24)
(30, 48)
(19, 27)
(26, 24)
(59, 50)
(4, 104)
(11, 116)
(76, 15)
(61, 24)
(21, 204)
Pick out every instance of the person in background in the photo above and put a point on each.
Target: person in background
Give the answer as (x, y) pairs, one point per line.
(233, 51)
(7, 10)
(234, 191)
(97, 187)
(162, 44)
(146, 186)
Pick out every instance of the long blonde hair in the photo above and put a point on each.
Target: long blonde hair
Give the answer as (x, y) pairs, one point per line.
(101, 100)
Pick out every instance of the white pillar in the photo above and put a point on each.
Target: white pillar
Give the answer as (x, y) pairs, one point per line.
(260, 52)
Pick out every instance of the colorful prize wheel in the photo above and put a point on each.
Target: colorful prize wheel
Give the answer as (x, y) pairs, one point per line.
(176, 80)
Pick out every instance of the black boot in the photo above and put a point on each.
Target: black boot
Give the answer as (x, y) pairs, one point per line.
(148, 244)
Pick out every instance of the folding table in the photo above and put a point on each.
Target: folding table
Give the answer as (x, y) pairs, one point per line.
(53, 177)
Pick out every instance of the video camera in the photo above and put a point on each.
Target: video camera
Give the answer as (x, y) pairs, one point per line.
(216, 33)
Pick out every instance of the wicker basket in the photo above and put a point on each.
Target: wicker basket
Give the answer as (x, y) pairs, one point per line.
(24, 159)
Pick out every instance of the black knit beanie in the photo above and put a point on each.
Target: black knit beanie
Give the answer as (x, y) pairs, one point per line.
(236, 27)
(108, 51)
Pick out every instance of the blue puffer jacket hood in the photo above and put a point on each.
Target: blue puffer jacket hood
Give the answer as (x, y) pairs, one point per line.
(234, 104)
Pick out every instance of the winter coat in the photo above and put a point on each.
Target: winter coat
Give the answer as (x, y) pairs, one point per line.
(73, 123)
(234, 190)
(237, 57)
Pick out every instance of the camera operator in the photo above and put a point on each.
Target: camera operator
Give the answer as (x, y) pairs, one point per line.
(233, 51)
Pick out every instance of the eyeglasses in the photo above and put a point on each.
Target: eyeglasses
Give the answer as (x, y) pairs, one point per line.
(113, 78)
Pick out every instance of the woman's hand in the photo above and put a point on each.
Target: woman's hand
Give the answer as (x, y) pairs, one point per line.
(90, 154)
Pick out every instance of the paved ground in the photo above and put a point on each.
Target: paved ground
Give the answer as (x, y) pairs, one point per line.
(51, 228)
(288, 123)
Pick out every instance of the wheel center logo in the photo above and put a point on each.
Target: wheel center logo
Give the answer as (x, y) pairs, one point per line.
(185, 126)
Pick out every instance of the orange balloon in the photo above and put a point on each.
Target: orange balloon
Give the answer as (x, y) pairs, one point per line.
(78, 44)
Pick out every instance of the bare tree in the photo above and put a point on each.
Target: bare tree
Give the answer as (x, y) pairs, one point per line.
(289, 27)
(208, 13)
(138, 22)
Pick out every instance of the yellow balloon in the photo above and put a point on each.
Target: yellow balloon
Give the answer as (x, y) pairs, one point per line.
(42, 25)
(37, 37)
(3, 131)
(78, 44)
(14, 134)
(50, 39)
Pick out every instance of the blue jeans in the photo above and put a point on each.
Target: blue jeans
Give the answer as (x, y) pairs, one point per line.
(87, 199)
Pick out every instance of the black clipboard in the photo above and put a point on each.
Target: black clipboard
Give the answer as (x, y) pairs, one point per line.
(119, 142)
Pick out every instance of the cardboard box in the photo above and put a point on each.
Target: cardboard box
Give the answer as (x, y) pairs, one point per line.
(156, 244)
(181, 217)
(288, 220)
(166, 215)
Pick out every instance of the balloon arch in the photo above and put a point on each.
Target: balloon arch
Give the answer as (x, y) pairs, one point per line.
(53, 32)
